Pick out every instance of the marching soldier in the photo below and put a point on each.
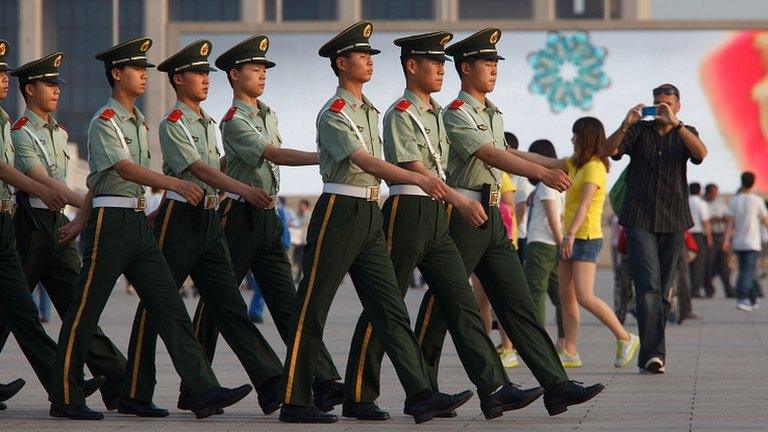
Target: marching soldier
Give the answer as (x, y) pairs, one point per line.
(345, 235)
(190, 236)
(476, 158)
(252, 145)
(118, 240)
(18, 312)
(416, 228)
(40, 145)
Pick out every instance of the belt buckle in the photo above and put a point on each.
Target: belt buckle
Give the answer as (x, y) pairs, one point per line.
(494, 199)
(141, 204)
(372, 193)
(210, 201)
(6, 206)
(272, 203)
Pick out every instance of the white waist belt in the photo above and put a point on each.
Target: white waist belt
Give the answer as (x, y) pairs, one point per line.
(37, 203)
(406, 189)
(209, 201)
(370, 193)
(138, 204)
(239, 198)
(478, 196)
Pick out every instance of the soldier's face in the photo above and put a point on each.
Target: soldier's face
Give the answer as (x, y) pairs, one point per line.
(4, 85)
(194, 85)
(132, 79)
(252, 79)
(428, 74)
(43, 95)
(482, 74)
(357, 66)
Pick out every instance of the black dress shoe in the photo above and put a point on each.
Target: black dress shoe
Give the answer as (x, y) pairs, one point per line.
(364, 411)
(449, 414)
(140, 408)
(509, 397)
(111, 395)
(569, 393)
(269, 397)
(438, 403)
(93, 384)
(9, 390)
(219, 398)
(3, 406)
(75, 412)
(328, 395)
(303, 414)
(185, 404)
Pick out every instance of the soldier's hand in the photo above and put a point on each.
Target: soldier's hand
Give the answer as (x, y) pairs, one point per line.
(70, 231)
(53, 199)
(190, 191)
(556, 179)
(258, 198)
(434, 187)
(473, 211)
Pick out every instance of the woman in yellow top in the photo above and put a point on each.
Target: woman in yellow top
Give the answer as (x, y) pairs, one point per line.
(583, 239)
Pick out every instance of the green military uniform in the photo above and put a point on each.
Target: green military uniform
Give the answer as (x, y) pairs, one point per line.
(18, 312)
(487, 252)
(416, 229)
(254, 234)
(43, 142)
(345, 235)
(194, 245)
(119, 240)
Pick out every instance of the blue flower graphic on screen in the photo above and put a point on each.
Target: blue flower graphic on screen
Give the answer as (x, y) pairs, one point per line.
(568, 70)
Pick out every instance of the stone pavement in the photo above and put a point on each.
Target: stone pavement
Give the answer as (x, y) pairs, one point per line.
(717, 379)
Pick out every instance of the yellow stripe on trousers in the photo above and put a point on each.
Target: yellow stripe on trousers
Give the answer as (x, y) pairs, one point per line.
(81, 307)
(143, 321)
(369, 327)
(302, 315)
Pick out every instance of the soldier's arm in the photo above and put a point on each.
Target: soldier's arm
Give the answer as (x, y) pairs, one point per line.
(40, 174)
(289, 157)
(506, 161)
(382, 169)
(132, 172)
(251, 147)
(15, 178)
(552, 163)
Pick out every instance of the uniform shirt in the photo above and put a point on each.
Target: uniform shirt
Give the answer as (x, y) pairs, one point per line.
(593, 172)
(538, 227)
(748, 211)
(52, 136)
(6, 151)
(337, 139)
(404, 140)
(699, 213)
(718, 209)
(105, 149)
(524, 190)
(247, 132)
(179, 152)
(466, 136)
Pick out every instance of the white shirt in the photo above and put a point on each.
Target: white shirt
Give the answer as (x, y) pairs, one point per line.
(748, 211)
(718, 209)
(538, 228)
(699, 213)
(523, 189)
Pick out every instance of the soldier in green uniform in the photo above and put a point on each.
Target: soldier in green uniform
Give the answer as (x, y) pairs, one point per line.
(119, 240)
(40, 145)
(192, 241)
(345, 235)
(416, 229)
(252, 146)
(18, 312)
(476, 158)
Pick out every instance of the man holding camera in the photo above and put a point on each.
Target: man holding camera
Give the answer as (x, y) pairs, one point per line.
(658, 213)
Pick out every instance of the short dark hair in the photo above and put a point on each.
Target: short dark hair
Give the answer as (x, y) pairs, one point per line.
(545, 148)
(238, 68)
(333, 62)
(170, 79)
(710, 187)
(694, 188)
(458, 63)
(747, 179)
(21, 89)
(110, 79)
(511, 139)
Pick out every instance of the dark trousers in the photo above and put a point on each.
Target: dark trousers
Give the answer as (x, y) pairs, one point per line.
(717, 266)
(120, 241)
(745, 284)
(254, 241)
(489, 254)
(57, 267)
(652, 259)
(345, 235)
(193, 244)
(541, 272)
(698, 267)
(416, 229)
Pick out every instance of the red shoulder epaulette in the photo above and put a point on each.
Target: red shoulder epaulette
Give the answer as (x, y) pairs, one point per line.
(403, 105)
(175, 115)
(456, 104)
(229, 115)
(107, 114)
(20, 123)
(337, 105)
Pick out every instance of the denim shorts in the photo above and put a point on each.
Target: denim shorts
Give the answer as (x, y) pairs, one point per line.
(586, 250)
